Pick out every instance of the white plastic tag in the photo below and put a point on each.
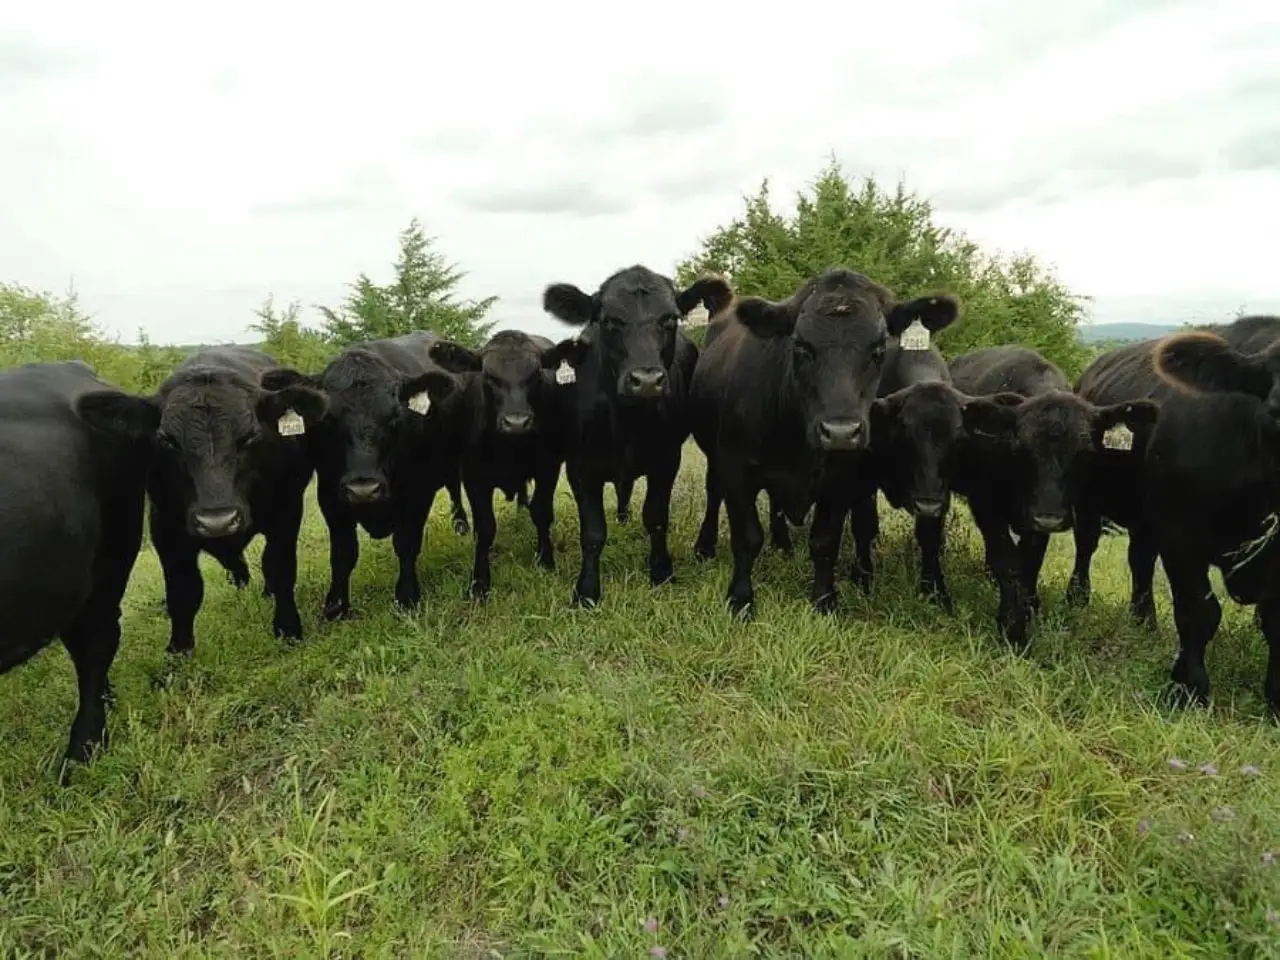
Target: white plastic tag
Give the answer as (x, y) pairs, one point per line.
(290, 424)
(1118, 437)
(915, 337)
(420, 403)
(565, 374)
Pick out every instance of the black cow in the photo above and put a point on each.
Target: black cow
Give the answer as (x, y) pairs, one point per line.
(627, 413)
(514, 413)
(1114, 493)
(1211, 492)
(780, 402)
(920, 425)
(230, 463)
(393, 437)
(71, 513)
(1027, 473)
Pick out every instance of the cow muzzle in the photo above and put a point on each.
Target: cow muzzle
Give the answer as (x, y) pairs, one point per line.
(364, 490)
(644, 382)
(842, 434)
(218, 522)
(515, 424)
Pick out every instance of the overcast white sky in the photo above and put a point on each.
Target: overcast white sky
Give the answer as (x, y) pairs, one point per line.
(178, 168)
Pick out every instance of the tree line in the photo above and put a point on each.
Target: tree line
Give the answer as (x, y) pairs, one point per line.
(889, 234)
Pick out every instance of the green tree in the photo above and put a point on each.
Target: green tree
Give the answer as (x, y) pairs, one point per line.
(891, 236)
(287, 340)
(419, 297)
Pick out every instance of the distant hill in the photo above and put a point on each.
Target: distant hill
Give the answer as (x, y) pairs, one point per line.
(1124, 332)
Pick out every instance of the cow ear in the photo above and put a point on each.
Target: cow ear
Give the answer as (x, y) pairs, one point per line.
(765, 318)
(454, 357)
(1201, 362)
(134, 418)
(935, 312)
(989, 417)
(572, 351)
(283, 377)
(283, 408)
(714, 293)
(422, 392)
(1115, 426)
(566, 302)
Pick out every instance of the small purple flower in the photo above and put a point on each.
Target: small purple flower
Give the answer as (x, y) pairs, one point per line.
(1144, 827)
(658, 952)
(1209, 770)
(651, 925)
(1249, 770)
(683, 834)
(1177, 763)
(1268, 859)
(1223, 813)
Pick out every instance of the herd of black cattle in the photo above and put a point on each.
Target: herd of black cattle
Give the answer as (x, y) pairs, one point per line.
(820, 400)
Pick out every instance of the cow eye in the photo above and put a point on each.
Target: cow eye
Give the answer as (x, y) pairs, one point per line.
(877, 352)
(611, 323)
(166, 441)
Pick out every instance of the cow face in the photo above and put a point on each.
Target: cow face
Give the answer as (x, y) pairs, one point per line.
(630, 326)
(210, 429)
(376, 418)
(1054, 440)
(919, 431)
(511, 369)
(837, 328)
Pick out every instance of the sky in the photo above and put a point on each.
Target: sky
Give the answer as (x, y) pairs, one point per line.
(175, 170)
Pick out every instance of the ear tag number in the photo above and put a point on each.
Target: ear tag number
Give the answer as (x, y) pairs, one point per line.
(1118, 437)
(290, 424)
(565, 374)
(420, 403)
(915, 337)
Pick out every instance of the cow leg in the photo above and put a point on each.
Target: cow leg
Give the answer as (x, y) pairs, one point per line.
(1031, 551)
(930, 533)
(460, 525)
(588, 491)
(656, 515)
(1087, 533)
(406, 539)
(779, 532)
(1002, 560)
(864, 527)
(623, 489)
(280, 566)
(1196, 613)
(746, 537)
(92, 642)
(542, 511)
(481, 499)
(237, 570)
(1142, 571)
(825, 534)
(522, 497)
(183, 589)
(704, 548)
(1269, 614)
(344, 551)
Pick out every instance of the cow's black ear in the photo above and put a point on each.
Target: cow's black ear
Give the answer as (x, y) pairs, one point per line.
(1201, 362)
(990, 418)
(283, 377)
(306, 402)
(454, 357)
(422, 392)
(572, 351)
(566, 302)
(935, 312)
(765, 318)
(135, 418)
(714, 293)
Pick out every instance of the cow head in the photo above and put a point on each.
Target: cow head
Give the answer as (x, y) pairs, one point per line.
(209, 428)
(629, 327)
(918, 432)
(837, 327)
(512, 374)
(1054, 440)
(376, 417)
(1202, 362)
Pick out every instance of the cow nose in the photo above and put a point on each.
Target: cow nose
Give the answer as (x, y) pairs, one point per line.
(517, 422)
(840, 434)
(928, 507)
(363, 491)
(647, 382)
(1050, 522)
(219, 523)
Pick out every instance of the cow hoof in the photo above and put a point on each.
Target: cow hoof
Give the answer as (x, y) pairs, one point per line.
(663, 573)
(742, 608)
(290, 633)
(184, 652)
(704, 551)
(587, 600)
(335, 610)
(409, 604)
(1078, 594)
(826, 604)
(477, 591)
(461, 527)
(546, 561)
(1181, 697)
(942, 599)
(861, 579)
(624, 516)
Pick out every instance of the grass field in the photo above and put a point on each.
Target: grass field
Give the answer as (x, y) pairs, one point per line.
(523, 779)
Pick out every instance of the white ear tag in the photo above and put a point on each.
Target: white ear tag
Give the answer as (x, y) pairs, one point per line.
(290, 424)
(565, 374)
(1118, 437)
(915, 337)
(420, 403)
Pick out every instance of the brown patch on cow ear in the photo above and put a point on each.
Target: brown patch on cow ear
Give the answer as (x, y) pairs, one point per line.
(454, 357)
(1202, 362)
(713, 292)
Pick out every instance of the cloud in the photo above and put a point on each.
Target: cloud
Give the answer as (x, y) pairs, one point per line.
(24, 61)
(556, 197)
(369, 189)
